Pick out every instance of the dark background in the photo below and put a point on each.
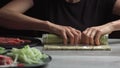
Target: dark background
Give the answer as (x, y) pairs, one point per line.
(115, 34)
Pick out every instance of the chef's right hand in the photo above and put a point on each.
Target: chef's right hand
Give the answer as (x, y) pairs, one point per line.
(67, 33)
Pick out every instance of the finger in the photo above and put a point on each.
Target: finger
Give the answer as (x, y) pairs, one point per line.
(97, 37)
(89, 31)
(85, 36)
(92, 36)
(65, 38)
(71, 36)
(73, 31)
(76, 36)
(82, 38)
(85, 31)
(86, 40)
(79, 36)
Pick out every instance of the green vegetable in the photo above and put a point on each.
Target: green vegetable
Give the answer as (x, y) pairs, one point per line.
(54, 39)
(2, 50)
(28, 55)
(104, 40)
(51, 38)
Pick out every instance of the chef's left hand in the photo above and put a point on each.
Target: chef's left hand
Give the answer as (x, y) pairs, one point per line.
(93, 34)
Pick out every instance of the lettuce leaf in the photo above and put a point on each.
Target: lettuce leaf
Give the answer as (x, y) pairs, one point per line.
(2, 50)
(28, 55)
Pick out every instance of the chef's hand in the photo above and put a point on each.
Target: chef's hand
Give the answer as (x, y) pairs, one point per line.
(93, 34)
(67, 33)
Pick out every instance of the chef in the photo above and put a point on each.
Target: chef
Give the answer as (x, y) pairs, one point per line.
(69, 19)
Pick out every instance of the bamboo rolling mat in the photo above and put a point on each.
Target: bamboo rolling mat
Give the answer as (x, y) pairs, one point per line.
(76, 47)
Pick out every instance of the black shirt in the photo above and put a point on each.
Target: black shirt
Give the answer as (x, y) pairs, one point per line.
(81, 15)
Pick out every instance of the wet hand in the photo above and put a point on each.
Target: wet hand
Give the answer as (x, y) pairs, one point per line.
(93, 34)
(67, 33)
